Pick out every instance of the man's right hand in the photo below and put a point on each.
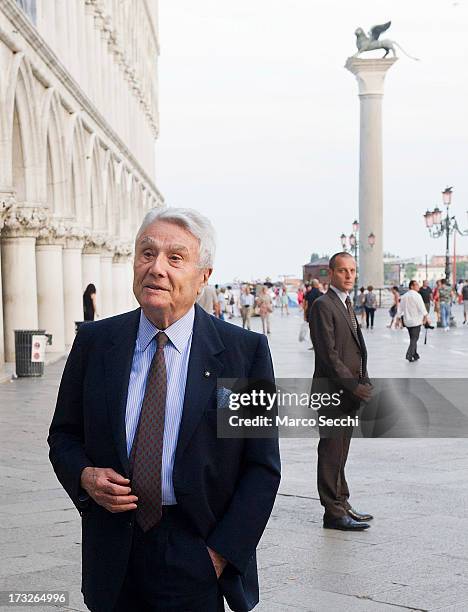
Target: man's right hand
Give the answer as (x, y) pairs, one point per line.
(108, 489)
(363, 392)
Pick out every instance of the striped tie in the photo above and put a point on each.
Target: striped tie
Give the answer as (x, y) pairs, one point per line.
(354, 323)
(146, 454)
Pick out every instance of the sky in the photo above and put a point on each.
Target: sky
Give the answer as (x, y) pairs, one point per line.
(259, 124)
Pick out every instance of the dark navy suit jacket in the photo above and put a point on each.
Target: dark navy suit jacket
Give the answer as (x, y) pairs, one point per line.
(225, 487)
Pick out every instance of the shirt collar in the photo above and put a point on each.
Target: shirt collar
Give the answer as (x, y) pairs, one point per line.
(341, 294)
(178, 333)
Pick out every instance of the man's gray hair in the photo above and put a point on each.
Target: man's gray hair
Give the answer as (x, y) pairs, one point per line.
(191, 220)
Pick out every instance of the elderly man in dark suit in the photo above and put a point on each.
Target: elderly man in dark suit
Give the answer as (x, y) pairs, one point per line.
(171, 514)
(340, 367)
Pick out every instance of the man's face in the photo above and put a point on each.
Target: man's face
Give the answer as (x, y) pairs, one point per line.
(425, 284)
(166, 277)
(344, 274)
(415, 287)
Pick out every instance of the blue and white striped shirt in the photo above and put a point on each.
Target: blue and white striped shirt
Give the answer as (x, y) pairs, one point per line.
(176, 354)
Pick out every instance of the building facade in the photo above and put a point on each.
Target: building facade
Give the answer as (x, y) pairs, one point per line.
(78, 124)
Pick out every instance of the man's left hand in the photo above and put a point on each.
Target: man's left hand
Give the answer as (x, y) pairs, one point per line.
(218, 561)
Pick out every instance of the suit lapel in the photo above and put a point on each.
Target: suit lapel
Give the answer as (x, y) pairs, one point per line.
(117, 365)
(338, 304)
(203, 370)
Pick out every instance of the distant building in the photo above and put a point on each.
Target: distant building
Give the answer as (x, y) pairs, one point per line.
(316, 269)
(78, 124)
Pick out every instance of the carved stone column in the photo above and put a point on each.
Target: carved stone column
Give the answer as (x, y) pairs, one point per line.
(72, 280)
(370, 75)
(107, 298)
(120, 284)
(91, 266)
(6, 202)
(21, 226)
(49, 272)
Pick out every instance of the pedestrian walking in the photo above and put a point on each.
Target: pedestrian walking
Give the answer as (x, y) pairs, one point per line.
(445, 299)
(265, 308)
(370, 305)
(310, 298)
(426, 293)
(465, 301)
(284, 301)
(246, 303)
(413, 314)
(221, 303)
(394, 307)
(208, 299)
(360, 307)
(435, 299)
(300, 296)
(229, 297)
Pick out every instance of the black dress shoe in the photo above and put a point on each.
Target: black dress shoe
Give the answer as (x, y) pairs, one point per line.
(344, 523)
(416, 357)
(359, 516)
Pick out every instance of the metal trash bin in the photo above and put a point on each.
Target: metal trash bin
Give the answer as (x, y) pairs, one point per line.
(23, 345)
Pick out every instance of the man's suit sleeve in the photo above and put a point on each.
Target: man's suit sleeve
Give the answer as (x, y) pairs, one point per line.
(237, 534)
(323, 332)
(66, 435)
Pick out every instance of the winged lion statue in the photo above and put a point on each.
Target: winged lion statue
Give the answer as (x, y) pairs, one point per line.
(370, 42)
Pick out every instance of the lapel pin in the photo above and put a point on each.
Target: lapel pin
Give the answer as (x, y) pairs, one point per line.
(207, 374)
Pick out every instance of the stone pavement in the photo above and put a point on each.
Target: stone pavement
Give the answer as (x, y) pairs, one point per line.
(415, 556)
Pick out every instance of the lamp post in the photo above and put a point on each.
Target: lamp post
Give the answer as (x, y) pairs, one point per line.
(353, 241)
(438, 227)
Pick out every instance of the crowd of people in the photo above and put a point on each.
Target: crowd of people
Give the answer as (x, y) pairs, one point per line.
(247, 300)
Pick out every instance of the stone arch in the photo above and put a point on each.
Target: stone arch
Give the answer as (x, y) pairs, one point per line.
(21, 127)
(56, 186)
(110, 197)
(96, 190)
(75, 168)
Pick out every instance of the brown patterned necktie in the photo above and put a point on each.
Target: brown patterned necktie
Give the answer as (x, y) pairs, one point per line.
(351, 314)
(146, 454)
(354, 323)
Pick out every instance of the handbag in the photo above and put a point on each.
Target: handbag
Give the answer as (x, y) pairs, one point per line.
(303, 331)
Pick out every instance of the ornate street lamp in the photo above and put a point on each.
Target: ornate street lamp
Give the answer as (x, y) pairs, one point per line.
(438, 227)
(353, 240)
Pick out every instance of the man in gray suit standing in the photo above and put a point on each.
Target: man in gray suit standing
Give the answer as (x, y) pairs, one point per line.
(340, 365)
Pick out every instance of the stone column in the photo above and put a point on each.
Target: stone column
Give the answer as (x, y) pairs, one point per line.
(91, 267)
(72, 281)
(107, 255)
(6, 202)
(120, 286)
(370, 75)
(18, 248)
(49, 274)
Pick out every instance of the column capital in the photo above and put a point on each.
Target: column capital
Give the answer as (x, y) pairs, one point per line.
(52, 233)
(94, 244)
(7, 200)
(123, 252)
(24, 220)
(75, 237)
(370, 73)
